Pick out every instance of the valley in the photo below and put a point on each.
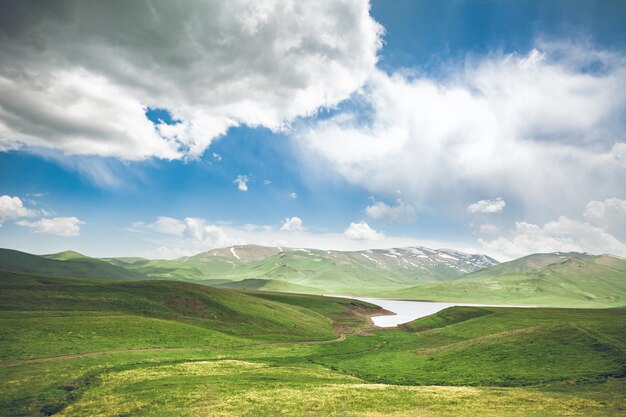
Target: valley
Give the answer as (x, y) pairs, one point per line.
(414, 273)
(161, 347)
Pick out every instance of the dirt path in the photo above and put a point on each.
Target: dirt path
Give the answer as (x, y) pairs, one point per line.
(341, 338)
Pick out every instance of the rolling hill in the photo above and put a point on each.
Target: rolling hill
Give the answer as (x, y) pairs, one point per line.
(64, 264)
(268, 285)
(554, 279)
(570, 280)
(155, 347)
(232, 313)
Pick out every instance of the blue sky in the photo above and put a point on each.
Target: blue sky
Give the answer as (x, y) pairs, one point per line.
(487, 126)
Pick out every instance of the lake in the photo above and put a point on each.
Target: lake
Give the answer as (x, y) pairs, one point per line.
(405, 311)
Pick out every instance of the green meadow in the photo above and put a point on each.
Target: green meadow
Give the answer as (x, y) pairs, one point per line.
(76, 347)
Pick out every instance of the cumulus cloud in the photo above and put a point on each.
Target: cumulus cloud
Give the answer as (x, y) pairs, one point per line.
(609, 214)
(562, 235)
(242, 182)
(487, 206)
(362, 231)
(209, 234)
(526, 127)
(400, 213)
(293, 195)
(12, 207)
(59, 226)
(79, 75)
(191, 228)
(291, 224)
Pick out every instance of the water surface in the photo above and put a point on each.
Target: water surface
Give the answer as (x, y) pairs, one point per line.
(405, 311)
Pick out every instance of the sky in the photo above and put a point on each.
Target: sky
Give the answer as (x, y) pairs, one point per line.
(163, 129)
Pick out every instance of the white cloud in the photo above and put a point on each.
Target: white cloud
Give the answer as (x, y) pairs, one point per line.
(541, 130)
(217, 156)
(194, 239)
(488, 229)
(12, 207)
(242, 182)
(78, 76)
(196, 233)
(400, 213)
(59, 226)
(291, 224)
(618, 153)
(208, 234)
(193, 229)
(609, 214)
(487, 206)
(293, 195)
(562, 235)
(163, 224)
(267, 182)
(362, 231)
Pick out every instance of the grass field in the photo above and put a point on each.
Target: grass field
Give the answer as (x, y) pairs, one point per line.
(176, 349)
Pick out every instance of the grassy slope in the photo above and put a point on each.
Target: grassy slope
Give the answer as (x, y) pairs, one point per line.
(47, 300)
(490, 346)
(592, 281)
(573, 361)
(530, 263)
(268, 285)
(553, 361)
(65, 255)
(68, 264)
(348, 314)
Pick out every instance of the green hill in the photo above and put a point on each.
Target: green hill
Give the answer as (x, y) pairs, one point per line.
(576, 281)
(268, 285)
(488, 346)
(65, 264)
(65, 255)
(175, 348)
(551, 279)
(230, 312)
(530, 263)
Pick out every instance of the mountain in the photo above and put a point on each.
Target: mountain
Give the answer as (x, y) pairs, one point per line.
(559, 279)
(317, 270)
(530, 263)
(555, 279)
(64, 264)
(240, 254)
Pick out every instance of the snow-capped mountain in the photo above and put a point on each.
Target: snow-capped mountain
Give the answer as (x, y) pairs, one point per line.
(412, 262)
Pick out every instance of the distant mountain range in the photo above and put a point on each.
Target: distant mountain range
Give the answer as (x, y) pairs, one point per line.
(319, 271)
(565, 279)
